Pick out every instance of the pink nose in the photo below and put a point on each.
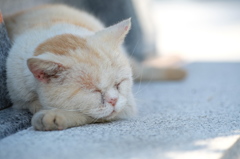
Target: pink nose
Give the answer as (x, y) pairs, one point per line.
(112, 101)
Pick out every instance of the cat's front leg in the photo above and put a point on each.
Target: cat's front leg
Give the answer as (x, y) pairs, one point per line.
(56, 119)
(35, 106)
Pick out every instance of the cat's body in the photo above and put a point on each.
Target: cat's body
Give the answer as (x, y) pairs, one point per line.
(67, 69)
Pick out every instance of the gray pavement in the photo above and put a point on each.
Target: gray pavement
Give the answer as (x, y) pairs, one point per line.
(175, 120)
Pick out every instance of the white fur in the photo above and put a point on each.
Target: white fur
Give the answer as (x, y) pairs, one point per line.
(55, 109)
(23, 49)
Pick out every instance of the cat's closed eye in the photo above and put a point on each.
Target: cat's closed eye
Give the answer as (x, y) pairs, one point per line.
(100, 92)
(117, 86)
(97, 91)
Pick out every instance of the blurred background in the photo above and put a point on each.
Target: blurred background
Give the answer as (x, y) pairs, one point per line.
(193, 30)
(197, 30)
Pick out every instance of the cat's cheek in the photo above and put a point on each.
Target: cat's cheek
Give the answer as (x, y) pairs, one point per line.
(120, 104)
(125, 86)
(99, 113)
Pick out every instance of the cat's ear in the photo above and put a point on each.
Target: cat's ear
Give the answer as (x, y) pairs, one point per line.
(115, 34)
(44, 70)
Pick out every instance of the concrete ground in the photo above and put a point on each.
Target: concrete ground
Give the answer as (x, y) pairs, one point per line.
(195, 118)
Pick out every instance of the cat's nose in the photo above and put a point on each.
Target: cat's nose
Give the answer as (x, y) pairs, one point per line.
(112, 101)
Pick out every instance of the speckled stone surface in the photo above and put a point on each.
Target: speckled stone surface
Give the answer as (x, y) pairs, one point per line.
(12, 120)
(173, 117)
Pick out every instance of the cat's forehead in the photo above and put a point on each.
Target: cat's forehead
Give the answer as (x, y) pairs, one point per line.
(99, 75)
(78, 47)
(60, 45)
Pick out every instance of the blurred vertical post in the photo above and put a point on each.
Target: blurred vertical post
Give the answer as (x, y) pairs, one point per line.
(4, 48)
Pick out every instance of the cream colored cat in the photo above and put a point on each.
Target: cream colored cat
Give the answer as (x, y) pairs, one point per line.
(69, 70)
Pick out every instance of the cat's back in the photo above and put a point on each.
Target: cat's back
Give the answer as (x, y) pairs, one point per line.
(47, 16)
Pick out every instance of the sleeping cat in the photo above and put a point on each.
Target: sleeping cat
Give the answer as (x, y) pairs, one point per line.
(68, 70)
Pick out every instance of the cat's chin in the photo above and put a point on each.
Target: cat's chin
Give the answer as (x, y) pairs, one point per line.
(111, 116)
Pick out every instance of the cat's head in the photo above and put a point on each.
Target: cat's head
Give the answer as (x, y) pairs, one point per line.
(87, 74)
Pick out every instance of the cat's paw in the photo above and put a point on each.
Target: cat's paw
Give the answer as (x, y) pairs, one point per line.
(47, 120)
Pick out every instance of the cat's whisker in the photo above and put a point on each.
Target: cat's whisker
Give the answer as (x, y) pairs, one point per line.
(147, 84)
(70, 110)
(139, 83)
(131, 55)
(95, 119)
(140, 90)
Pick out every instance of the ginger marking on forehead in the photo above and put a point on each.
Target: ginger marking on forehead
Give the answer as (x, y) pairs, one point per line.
(67, 44)
(61, 45)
